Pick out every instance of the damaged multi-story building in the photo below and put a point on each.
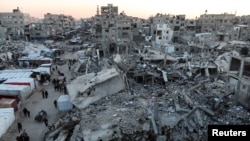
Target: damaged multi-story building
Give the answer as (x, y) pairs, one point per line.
(36, 32)
(162, 34)
(113, 31)
(216, 22)
(14, 22)
(58, 24)
(175, 22)
(225, 26)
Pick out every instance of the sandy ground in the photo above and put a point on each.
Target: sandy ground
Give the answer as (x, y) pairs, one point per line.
(36, 103)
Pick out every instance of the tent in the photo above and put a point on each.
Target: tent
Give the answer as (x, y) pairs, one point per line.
(15, 90)
(7, 117)
(63, 103)
(22, 82)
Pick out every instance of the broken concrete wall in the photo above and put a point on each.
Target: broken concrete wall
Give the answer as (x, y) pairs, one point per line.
(238, 77)
(92, 87)
(243, 93)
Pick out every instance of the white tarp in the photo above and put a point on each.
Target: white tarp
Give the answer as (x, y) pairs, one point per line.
(13, 90)
(42, 70)
(63, 103)
(7, 117)
(22, 81)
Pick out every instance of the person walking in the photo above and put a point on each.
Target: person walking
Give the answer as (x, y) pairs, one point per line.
(55, 88)
(28, 113)
(46, 122)
(55, 103)
(25, 112)
(19, 127)
(43, 93)
(46, 94)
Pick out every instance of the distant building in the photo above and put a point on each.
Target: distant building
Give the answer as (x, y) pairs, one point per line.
(58, 24)
(112, 31)
(190, 26)
(176, 22)
(14, 22)
(161, 34)
(241, 32)
(109, 10)
(36, 32)
(217, 22)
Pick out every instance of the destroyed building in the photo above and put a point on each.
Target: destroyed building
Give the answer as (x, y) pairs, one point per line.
(113, 31)
(58, 24)
(148, 93)
(238, 79)
(170, 87)
(162, 34)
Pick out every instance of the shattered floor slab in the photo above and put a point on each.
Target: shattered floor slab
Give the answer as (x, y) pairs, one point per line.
(92, 87)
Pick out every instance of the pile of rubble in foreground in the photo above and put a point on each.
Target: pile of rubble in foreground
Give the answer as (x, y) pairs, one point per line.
(176, 111)
(150, 101)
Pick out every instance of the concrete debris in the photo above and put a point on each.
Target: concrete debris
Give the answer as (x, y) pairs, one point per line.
(135, 79)
(63, 128)
(149, 100)
(92, 87)
(143, 93)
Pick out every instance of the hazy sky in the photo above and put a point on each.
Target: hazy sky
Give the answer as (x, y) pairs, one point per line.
(138, 8)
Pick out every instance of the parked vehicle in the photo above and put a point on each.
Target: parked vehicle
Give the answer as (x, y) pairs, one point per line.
(41, 116)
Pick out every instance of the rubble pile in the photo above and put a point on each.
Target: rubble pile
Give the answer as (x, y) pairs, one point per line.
(180, 112)
(63, 129)
(155, 96)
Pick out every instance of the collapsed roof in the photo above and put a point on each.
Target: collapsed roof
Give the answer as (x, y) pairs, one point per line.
(89, 88)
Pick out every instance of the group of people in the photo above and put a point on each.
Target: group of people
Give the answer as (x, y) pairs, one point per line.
(59, 85)
(45, 93)
(71, 62)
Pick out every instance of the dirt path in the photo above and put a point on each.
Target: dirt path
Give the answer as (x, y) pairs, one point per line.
(35, 103)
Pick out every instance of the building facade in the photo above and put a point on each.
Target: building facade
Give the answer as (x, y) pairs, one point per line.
(112, 30)
(36, 32)
(58, 24)
(109, 10)
(161, 34)
(217, 22)
(14, 22)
